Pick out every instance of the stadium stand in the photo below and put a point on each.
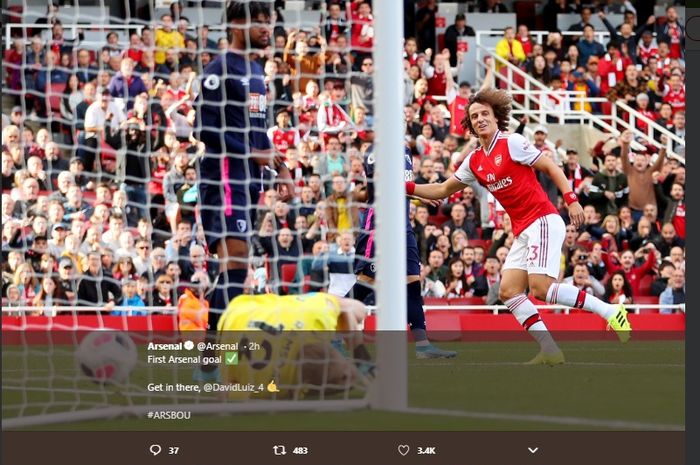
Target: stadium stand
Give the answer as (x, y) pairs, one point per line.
(51, 229)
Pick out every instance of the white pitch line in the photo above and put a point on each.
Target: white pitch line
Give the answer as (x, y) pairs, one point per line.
(612, 348)
(569, 421)
(520, 364)
(617, 347)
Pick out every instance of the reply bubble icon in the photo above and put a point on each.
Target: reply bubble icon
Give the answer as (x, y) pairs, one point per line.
(155, 449)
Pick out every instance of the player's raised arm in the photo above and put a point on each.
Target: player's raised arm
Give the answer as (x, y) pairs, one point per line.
(547, 166)
(441, 190)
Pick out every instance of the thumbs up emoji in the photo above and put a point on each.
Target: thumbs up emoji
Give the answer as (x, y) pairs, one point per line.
(272, 387)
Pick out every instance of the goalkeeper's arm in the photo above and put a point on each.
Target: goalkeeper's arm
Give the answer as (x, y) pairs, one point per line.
(352, 314)
(337, 372)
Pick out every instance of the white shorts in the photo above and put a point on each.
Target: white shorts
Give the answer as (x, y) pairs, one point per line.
(537, 249)
(340, 283)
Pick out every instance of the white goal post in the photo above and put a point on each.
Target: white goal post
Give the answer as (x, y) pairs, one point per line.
(392, 373)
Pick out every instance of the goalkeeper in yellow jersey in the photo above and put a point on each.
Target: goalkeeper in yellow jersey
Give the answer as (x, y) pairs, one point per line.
(286, 341)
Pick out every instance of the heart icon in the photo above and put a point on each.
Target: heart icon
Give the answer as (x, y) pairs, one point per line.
(403, 449)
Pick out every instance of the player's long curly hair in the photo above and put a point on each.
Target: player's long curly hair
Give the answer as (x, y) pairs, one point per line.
(499, 100)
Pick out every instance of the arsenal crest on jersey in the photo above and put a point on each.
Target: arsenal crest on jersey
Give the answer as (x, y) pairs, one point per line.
(498, 159)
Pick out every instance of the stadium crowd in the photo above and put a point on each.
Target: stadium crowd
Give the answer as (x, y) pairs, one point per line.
(99, 152)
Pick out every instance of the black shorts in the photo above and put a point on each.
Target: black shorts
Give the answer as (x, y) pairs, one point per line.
(226, 212)
(364, 261)
(229, 189)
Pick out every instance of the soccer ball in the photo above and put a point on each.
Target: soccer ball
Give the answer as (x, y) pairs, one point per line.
(106, 357)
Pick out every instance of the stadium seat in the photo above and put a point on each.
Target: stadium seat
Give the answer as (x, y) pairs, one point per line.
(107, 151)
(462, 301)
(14, 13)
(645, 285)
(438, 219)
(288, 272)
(540, 302)
(526, 13)
(89, 197)
(54, 94)
(587, 244)
(444, 326)
(435, 301)
(518, 83)
(647, 300)
(467, 301)
(485, 243)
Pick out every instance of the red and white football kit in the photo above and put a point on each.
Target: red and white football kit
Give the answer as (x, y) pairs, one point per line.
(644, 53)
(458, 108)
(282, 139)
(675, 98)
(437, 84)
(505, 169)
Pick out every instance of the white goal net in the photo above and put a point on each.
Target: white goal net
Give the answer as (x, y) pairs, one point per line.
(130, 158)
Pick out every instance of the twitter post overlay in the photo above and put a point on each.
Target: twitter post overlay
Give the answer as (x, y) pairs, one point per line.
(269, 379)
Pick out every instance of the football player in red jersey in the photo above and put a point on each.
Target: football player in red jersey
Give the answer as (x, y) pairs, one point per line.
(503, 163)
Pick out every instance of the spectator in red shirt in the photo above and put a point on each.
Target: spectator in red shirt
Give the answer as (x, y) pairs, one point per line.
(664, 57)
(135, 50)
(647, 47)
(458, 108)
(331, 118)
(362, 29)
(612, 66)
(13, 64)
(624, 262)
(410, 51)
(437, 76)
(565, 75)
(674, 93)
(672, 32)
(283, 135)
(335, 25)
(523, 36)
